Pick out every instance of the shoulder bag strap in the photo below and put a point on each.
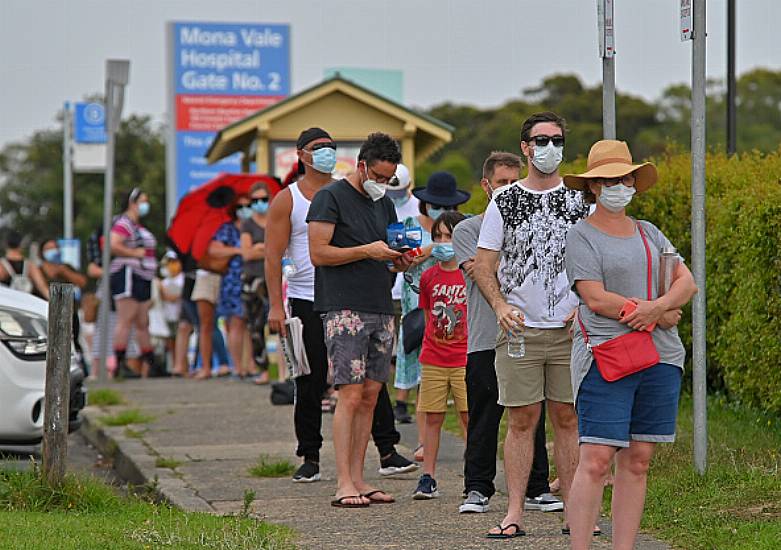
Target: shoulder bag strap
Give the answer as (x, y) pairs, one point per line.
(647, 258)
(648, 276)
(8, 267)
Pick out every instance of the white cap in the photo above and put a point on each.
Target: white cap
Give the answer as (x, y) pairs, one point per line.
(402, 174)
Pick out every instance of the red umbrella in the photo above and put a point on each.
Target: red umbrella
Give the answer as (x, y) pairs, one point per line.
(204, 209)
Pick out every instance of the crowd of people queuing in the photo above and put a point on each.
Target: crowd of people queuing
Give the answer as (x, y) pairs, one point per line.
(513, 309)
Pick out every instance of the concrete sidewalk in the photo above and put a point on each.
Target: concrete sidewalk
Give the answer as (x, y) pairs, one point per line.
(218, 429)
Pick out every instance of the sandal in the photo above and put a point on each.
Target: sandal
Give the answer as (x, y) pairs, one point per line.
(502, 535)
(418, 453)
(340, 502)
(370, 494)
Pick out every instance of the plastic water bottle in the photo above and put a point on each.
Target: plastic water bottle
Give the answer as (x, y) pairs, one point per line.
(516, 343)
(288, 267)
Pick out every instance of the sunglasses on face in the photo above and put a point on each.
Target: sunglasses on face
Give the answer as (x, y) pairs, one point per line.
(441, 207)
(543, 140)
(628, 180)
(323, 145)
(262, 199)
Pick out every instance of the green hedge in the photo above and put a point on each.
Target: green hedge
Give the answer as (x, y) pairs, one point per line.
(743, 247)
(743, 238)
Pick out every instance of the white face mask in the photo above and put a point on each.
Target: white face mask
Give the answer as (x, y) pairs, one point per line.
(547, 159)
(617, 197)
(375, 190)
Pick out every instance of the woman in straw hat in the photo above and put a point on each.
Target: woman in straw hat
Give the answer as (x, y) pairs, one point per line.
(607, 263)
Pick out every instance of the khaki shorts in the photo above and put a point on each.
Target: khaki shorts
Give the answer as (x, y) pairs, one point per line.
(436, 383)
(207, 287)
(542, 373)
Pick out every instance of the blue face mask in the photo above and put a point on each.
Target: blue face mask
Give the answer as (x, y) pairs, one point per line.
(324, 160)
(261, 207)
(434, 213)
(52, 256)
(443, 252)
(244, 213)
(143, 209)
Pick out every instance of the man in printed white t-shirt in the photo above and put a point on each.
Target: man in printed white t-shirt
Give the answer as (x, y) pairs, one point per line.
(524, 230)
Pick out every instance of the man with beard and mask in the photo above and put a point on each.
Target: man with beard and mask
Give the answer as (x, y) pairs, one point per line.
(524, 229)
(348, 222)
(286, 235)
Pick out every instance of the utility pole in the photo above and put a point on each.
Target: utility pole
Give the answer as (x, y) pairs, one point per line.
(698, 236)
(117, 73)
(67, 171)
(607, 52)
(732, 141)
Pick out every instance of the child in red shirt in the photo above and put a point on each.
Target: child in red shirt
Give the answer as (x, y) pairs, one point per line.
(443, 355)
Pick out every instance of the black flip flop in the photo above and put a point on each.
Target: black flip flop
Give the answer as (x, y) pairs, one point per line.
(377, 500)
(340, 502)
(596, 532)
(502, 535)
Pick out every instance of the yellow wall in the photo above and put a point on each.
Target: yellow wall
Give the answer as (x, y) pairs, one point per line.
(345, 118)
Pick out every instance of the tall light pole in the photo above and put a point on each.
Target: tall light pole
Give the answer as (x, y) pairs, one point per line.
(698, 237)
(117, 74)
(607, 52)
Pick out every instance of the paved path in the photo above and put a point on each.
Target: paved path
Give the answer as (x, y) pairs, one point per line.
(218, 429)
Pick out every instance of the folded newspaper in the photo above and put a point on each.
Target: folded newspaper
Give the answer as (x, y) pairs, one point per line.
(293, 349)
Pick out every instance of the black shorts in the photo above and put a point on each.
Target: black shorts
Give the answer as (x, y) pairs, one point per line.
(126, 284)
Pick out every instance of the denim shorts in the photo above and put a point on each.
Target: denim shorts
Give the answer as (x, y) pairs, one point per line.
(639, 407)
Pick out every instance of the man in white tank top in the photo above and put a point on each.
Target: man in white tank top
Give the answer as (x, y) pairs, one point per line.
(287, 235)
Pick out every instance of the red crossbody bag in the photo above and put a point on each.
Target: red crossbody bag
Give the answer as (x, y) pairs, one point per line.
(628, 353)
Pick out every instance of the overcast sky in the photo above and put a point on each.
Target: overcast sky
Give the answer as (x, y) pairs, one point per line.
(465, 51)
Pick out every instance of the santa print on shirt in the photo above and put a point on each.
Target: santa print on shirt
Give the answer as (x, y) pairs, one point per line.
(535, 229)
(443, 296)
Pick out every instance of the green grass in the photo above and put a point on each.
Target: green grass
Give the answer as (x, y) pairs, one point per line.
(86, 514)
(737, 503)
(126, 417)
(163, 462)
(267, 467)
(105, 397)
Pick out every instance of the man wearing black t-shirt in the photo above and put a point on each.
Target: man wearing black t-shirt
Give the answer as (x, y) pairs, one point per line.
(348, 222)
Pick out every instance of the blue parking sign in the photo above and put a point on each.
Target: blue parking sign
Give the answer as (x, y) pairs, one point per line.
(89, 123)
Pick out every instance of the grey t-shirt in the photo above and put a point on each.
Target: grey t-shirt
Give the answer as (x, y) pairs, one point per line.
(254, 268)
(481, 320)
(620, 263)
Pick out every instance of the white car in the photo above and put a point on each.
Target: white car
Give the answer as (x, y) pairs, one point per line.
(23, 331)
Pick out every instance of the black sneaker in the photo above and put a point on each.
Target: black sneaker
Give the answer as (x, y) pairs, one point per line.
(400, 413)
(308, 472)
(427, 488)
(396, 464)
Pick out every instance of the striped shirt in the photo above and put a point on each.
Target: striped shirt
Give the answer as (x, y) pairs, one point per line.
(135, 236)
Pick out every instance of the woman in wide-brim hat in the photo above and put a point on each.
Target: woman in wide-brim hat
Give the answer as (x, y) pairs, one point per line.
(607, 264)
(440, 194)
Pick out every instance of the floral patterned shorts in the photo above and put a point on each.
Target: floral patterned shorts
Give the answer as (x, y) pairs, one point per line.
(359, 345)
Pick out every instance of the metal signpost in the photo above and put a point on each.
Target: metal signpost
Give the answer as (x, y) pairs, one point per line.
(218, 73)
(693, 27)
(117, 73)
(732, 145)
(67, 172)
(607, 52)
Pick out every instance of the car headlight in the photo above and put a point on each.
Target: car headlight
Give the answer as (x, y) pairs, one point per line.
(23, 333)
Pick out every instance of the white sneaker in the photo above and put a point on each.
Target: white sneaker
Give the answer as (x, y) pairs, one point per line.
(475, 503)
(546, 502)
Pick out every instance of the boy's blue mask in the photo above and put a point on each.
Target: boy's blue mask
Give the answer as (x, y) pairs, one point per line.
(443, 251)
